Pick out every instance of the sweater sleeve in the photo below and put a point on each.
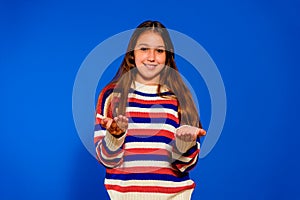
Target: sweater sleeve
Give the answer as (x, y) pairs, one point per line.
(109, 149)
(185, 154)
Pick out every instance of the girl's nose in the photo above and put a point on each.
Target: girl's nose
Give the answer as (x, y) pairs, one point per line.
(151, 55)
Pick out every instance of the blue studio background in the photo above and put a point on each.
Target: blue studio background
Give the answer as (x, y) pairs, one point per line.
(255, 45)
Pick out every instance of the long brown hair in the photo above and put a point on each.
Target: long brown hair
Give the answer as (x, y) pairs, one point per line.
(169, 76)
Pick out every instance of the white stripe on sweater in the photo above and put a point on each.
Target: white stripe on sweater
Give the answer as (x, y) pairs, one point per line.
(147, 98)
(156, 126)
(152, 110)
(100, 133)
(146, 163)
(149, 183)
(147, 145)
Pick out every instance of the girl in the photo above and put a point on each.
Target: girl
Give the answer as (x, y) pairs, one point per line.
(147, 127)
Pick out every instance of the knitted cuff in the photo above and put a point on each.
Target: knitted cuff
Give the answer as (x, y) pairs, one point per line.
(112, 142)
(183, 146)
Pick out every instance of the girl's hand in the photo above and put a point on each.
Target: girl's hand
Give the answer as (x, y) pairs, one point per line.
(115, 126)
(189, 133)
(121, 122)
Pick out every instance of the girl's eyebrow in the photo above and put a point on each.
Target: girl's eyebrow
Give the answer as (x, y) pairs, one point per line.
(145, 44)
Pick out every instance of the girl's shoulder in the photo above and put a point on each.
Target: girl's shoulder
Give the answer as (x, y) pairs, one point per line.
(108, 88)
(106, 92)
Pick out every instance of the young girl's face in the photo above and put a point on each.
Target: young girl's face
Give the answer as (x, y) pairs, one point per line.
(150, 57)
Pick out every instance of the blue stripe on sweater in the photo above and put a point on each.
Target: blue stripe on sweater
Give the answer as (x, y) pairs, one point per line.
(153, 120)
(148, 139)
(98, 127)
(147, 176)
(140, 105)
(147, 157)
(150, 95)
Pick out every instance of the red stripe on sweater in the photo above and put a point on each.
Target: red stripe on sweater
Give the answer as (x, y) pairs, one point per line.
(152, 170)
(100, 98)
(97, 139)
(153, 151)
(110, 163)
(163, 101)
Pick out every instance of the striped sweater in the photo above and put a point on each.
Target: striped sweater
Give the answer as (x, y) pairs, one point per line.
(147, 162)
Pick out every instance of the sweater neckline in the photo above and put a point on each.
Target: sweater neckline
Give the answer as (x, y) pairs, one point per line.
(144, 88)
(151, 89)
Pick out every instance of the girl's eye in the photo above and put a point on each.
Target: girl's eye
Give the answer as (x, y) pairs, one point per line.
(144, 49)
(160, 50)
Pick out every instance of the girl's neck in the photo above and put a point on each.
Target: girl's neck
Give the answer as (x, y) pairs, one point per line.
(139, 84)
(146, 84)
(151, 81)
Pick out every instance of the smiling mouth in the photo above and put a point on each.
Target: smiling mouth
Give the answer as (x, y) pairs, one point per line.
(150, 66)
